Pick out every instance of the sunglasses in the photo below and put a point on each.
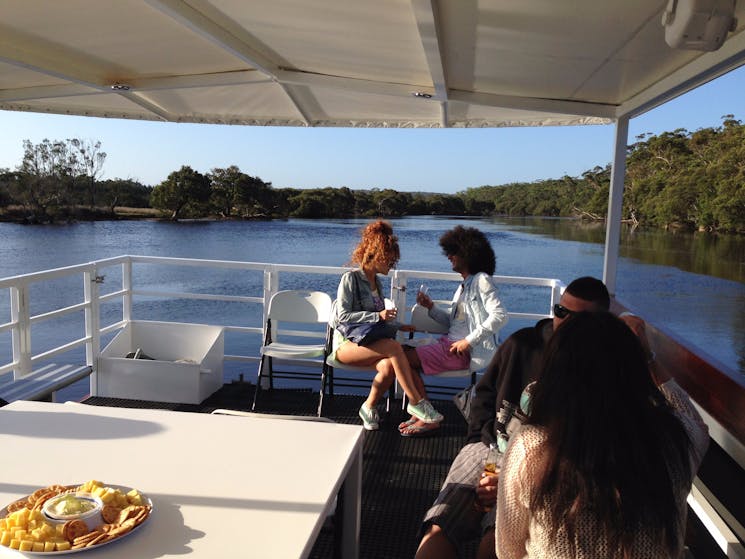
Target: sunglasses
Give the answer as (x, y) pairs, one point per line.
(561, 311)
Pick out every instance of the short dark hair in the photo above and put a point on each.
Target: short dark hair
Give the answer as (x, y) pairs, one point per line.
(472, 246)
(590, 289)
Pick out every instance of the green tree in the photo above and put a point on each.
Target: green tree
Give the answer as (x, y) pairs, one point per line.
(124, 192)
(86, 163)
(184, 192)
(44, 178)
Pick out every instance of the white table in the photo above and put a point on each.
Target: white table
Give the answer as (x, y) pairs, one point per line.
(222, 486)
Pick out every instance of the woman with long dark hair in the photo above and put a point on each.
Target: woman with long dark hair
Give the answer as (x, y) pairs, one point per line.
(604, 464)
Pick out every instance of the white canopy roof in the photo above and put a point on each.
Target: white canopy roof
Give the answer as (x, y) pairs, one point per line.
(381, 63)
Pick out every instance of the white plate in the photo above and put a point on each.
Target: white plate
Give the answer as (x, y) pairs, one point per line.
(123, 489)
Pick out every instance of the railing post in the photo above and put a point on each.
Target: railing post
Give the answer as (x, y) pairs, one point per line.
(398, 293)
(271, 286)
(92, 322)
(127, 287)
(20, 314)
(555, 295)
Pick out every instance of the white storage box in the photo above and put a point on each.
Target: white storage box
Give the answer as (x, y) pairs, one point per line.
(186, 366)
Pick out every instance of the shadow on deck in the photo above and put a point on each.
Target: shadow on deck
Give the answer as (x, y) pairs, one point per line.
(401, 476)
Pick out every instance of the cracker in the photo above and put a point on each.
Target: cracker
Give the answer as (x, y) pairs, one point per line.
(74, 529)
(128, 512)
(110, 513)
(43, 498)
(98, 539)
(141, 515)
(18, 505)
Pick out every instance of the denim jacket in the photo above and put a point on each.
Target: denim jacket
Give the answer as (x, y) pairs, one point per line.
(485, 315)
(353, 305)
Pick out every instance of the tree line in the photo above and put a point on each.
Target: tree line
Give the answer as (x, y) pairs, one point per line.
(692, 180)
(676, 179)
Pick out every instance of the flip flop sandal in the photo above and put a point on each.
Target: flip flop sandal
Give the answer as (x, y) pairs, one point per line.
(408, 423)
(420, 430)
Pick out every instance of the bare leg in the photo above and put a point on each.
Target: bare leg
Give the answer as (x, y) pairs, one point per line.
(382, 382)
(416, 366)
(435, 545)
(353, 354)
(487, 547)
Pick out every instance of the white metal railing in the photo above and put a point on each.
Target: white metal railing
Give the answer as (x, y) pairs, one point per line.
(92, 275)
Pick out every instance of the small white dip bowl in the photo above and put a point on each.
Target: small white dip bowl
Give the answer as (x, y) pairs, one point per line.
(74, 506)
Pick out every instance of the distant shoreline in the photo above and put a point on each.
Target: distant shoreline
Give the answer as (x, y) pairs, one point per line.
(24, 216)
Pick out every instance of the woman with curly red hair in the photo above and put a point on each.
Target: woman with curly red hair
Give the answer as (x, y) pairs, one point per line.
(360, 299)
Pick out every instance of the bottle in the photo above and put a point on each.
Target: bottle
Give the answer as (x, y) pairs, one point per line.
(492, 465)
(493, 460)
(504, 415)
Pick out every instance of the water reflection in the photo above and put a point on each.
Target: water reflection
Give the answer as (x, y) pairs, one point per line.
(721, 256)
(669, 277)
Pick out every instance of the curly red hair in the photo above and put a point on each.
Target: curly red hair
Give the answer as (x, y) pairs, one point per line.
(378, 245)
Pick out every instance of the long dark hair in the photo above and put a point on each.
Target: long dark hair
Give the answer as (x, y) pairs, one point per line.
(615, 452)
(472, 246)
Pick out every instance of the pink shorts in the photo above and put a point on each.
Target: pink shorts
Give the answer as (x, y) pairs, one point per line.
(436, 357)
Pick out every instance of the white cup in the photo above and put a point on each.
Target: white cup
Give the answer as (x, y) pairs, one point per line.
(389, 304)
(423, 289)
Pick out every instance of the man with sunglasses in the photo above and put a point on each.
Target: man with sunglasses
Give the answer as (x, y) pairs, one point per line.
(457, 515)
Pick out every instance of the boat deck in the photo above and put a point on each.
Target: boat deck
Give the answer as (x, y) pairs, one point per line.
(401, 476)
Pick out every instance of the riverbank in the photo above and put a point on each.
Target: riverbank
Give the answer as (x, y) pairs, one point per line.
(19, 214)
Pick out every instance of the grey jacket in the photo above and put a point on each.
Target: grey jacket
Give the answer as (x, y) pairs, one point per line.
(353, 305)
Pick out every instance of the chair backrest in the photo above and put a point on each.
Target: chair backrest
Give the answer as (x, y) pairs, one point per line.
(298, 307)
(421, 320)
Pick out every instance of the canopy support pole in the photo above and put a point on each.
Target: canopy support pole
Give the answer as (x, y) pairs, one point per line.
(615, 205)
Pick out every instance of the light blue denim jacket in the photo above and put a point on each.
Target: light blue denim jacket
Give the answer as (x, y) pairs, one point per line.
(485, 315)
(351, 306)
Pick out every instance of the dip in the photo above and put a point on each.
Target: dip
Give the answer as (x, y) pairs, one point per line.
(71, 505)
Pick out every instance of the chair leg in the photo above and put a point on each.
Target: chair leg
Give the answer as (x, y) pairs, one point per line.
(323, 388)
(271, 374)
(258, 382)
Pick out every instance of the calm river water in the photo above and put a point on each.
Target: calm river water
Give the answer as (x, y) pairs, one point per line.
(692, 285)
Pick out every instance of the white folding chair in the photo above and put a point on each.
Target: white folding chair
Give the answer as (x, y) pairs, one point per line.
(309, 309)
(330, 379)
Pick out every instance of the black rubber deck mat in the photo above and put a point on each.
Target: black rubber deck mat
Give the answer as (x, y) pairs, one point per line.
(401, 476)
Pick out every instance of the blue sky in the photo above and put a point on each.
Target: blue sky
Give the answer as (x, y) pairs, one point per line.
(448, 160)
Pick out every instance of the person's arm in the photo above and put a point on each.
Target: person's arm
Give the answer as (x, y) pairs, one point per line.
(496, 314)
(497, 376)
(692, 421)
(639, 327)
(512, 527)
(484, 403)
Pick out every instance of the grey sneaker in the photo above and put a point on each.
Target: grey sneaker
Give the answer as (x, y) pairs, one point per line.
(370, 418)
(424, 411)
